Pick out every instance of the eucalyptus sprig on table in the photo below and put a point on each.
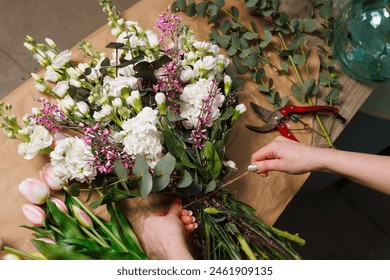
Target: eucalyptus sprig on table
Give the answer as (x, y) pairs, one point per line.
(249, 47)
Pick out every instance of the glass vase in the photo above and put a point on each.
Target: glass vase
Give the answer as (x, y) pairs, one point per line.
(362, 40)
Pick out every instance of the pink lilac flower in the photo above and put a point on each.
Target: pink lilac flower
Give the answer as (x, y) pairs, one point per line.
(50, 116)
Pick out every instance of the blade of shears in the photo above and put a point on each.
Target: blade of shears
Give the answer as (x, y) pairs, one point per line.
(261, 112)
(265, 128)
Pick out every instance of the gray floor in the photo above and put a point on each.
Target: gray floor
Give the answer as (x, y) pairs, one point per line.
(66, 22)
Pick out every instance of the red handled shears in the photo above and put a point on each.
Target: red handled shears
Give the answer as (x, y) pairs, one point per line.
(277, 119)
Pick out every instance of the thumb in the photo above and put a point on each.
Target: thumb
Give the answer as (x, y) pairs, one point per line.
(176, 207)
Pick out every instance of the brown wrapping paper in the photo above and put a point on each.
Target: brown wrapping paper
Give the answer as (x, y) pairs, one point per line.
(268, 196)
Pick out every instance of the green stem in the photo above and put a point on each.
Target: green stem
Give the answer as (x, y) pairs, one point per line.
(21, 254)
(95, 237)
(289, 236)
(245, 247)
(100, 223)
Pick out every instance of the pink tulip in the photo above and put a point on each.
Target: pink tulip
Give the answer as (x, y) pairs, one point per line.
(46, 240)
(34, 190)
(61, 205)
(82, 217)
(34, 214)
(48, 176)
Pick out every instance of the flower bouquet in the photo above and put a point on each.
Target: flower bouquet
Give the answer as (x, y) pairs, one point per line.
(151, 117)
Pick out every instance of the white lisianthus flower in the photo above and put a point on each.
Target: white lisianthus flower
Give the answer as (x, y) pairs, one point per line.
(67, 103)
(117, 102)
(209, 62)
(240, 108)
(71, 159)
(40, 138)
(62, 58)
(75, 83)
(51, 43)
(61, 88)
(51, 75)
(152, 38)
(160, 98)
(187, 74)
(40, 87)
(103, 114)
(230, 164)
(82, 108)
(141, 136)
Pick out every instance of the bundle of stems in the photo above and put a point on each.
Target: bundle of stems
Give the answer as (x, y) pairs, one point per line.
(230, 229)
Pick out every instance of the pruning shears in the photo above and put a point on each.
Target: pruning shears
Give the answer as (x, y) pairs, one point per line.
(277, 119)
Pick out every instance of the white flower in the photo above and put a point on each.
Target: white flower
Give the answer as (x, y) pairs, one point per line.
(71, 159)
(50, 42)
(40, 138)
(240, 108)
(51, 75)
(230, 164)
(67, 103)
(160, 98)
(209, 62)
(152, 38)
(117, 102)
(141, 136)
(82, 108)
(187, 74)
(40, 87)
(62, 58)
(104, 114)
(61, 88)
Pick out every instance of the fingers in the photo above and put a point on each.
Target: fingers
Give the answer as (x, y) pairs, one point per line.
(175, 207)
(188, 220)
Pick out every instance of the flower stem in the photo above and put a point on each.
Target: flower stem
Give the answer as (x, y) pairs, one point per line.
(21, 254)
(245, 247)
(99, 240)
(289, 236)
(99, 222)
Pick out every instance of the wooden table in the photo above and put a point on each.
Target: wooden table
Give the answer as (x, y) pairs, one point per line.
(268, 196)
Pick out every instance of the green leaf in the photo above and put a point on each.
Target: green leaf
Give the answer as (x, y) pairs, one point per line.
(254, 26)
(181, 5)
(326, 10)
(210, 186)
(74, 189)
(250, 35)
(121, 171)
(231, 51)
(141, 170)
(114, 45)
(219, 3)
(297, 91)
(251, 3)
(201, 8)
(235, 12)
(191, 11)
(223, 40)
(310, 87)
(177, 149)
(68, 225)
(185, 181)
(333, 96)
(309, 25)
(267, 39)
(225, 26)
(163, 171)
(214, 164)
(299, 59)
(59, 252)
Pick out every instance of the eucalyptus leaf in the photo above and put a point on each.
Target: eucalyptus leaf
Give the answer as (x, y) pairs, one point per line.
(333, 96)
(309, 25)
(121, 171)
(191, 10)
(219, 3)
(201, 8)
(299, 59)
(163, 171)
(185, 181)
(250, 35)
(74, 189)
(210, 186)
(223, 40)
(235, 12)
(181, 5)
(225, 26)
(141, 170)
(297, 91)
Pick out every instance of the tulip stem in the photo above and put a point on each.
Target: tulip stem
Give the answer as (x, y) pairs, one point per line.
(95, 237)
(99, 222)
(21, 254)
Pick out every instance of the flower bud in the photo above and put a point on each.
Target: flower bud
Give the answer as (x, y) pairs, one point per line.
(60, 204)
(82, 107)
(239, 110)
(37, 78)
(46, 240)
(160, 99)
(48, 176)
(29, 46)
(4, 255)
(227, 81)
(34, 190)
(231, 164)
(211, 210)
(30, 39)
(82, 217)
(34, 214)
(51, 43)
(117, 102)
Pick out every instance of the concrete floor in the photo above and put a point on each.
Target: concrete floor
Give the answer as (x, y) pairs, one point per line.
(66, 22)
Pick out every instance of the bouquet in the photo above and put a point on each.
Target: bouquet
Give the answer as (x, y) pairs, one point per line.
(152, 116)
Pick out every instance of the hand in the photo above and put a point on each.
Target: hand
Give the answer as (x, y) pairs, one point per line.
(163, 236)
(285, 155)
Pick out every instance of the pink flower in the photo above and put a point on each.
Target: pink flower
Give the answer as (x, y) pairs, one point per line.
(34, 190)
(48, 176)
(82, 217)
(34, 214)
(46, 240)
(61, 205)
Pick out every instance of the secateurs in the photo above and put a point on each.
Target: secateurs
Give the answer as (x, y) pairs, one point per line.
(277, 119)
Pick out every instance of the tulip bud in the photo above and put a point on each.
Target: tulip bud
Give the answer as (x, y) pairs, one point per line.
(46, 240)
(48, 176)
(34, 214)
(82, 217)
(34, 190)
(4, 255)
(60, 204)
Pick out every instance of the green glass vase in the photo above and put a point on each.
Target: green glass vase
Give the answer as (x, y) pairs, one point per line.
(362, 40)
